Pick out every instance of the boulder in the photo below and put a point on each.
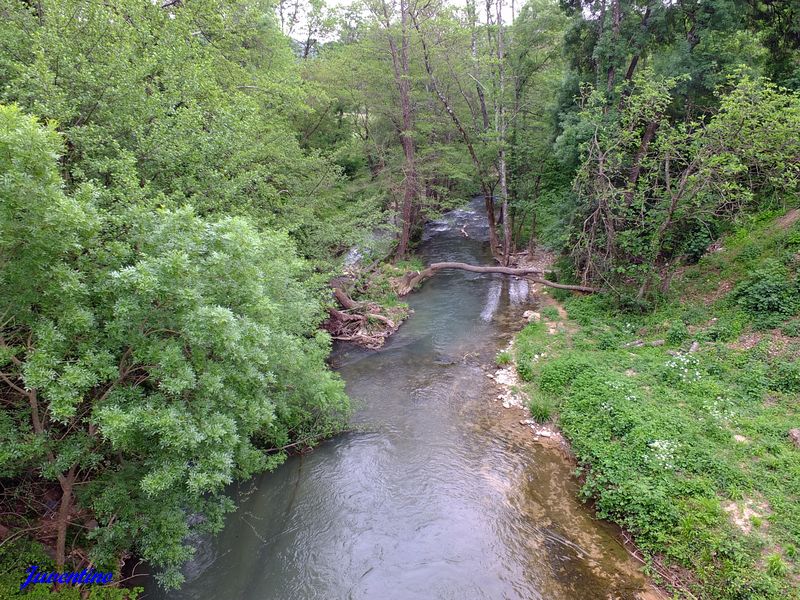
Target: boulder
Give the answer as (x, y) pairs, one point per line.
(531, 316)
(794, 435)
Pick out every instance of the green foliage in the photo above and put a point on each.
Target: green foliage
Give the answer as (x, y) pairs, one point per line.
(503, 358)
(557, 375)
(541, 407)
(670, 443)
(194, 103)
(550, 313)
(17, 555)
(786, 377)
(634, 226)
(530, 344)
(791, 328)
(586, 309)
(728, 326)
(166, 354)
(775, 565)
(677, 333)
(769, 293)
(607, 340)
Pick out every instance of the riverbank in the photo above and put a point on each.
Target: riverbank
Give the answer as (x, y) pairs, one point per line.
(683, 421)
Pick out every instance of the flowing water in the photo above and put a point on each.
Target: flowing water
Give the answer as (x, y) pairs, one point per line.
(439, 493)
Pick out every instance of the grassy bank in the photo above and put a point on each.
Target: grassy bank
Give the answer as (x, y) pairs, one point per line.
(680, 418)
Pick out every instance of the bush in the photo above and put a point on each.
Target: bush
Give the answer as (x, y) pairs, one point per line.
(749, 254)
(607, 340)
(587, 309)
(15, 558)
(677, 333)
(525, 366)
(729, 326)
(786, 377)
(176, 348)
(550, 313)
(792, 328)
(769, 294)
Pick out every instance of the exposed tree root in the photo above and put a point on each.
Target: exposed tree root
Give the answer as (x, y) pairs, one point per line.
(359, 322)
(403, 285)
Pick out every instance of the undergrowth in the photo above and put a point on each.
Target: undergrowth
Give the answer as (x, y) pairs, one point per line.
(16, 556)
(689, 451)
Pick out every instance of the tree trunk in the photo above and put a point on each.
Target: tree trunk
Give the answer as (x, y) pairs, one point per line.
(616, 15)
(473, 17)
(501, 134)
(636, 167)
(64, 509)
(402, 80)
(410, 171)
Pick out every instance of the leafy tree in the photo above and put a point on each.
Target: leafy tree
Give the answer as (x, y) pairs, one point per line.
(648, 186)
(148, 357)
(175, 103)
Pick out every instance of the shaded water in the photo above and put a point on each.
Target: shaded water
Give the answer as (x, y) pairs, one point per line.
(440, 494)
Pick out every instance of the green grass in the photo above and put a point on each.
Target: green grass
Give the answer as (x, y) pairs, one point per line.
(503, 358)
(669, 441)
(550, 313)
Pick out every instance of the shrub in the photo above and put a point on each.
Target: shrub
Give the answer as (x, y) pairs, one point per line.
(769, 294)
(792, 328)
(775, 565)
(786, 377)
(587, 309)
(728, 326)
(525, 366)
(607, 340)
(749, 254)
(550, 313)
(677, 333)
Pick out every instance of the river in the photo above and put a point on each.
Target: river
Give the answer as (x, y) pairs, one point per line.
(439, 493)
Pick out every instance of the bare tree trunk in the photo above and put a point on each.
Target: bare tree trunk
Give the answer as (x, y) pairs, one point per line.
(403, 82)
(64, 509)
(616, 15)
(532, 238)
(473, 17)
(638, 52)
(500, 115)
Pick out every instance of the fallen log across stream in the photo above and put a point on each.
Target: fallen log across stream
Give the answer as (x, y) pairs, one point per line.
(412, 279)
